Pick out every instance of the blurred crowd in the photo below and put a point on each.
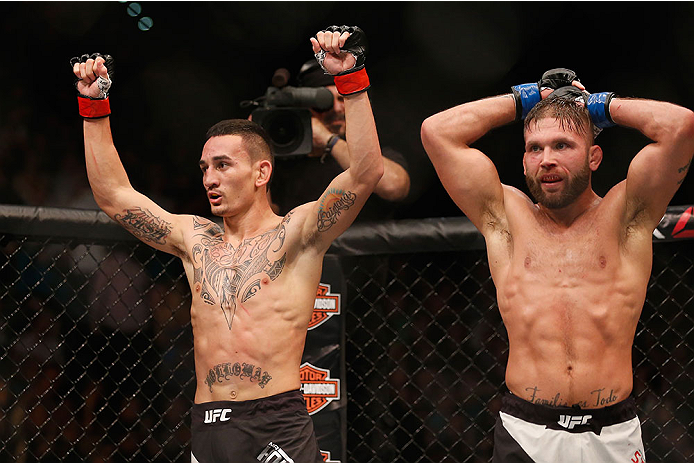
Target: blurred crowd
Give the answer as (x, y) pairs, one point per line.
(97, 354)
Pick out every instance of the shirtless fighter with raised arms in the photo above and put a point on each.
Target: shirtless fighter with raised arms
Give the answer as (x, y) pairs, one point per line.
(254, 280)
(571, 269)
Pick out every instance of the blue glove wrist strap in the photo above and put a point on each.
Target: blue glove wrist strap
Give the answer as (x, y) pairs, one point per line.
(528, 95)
(599, 109)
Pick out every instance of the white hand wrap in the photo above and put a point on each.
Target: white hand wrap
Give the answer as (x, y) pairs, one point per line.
(104, 85)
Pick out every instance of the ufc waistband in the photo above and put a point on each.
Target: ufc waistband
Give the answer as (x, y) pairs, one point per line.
(569, 419)
(530, 433)
(275, 429)
(218, 413)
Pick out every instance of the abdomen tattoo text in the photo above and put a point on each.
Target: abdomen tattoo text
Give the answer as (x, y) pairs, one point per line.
(227, 371)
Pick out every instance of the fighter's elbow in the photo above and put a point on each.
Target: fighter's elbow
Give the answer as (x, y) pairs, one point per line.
(676, 129)
(429, 130)
(686, 129)
(373, 174)
(104, 203)
(438, 134)
(378, 171)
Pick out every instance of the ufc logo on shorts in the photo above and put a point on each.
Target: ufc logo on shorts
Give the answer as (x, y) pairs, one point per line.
(274, 454)
(570, 421)
(221, 414)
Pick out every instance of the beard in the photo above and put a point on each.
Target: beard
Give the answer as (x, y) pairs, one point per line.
(335, 122)
(574, 187)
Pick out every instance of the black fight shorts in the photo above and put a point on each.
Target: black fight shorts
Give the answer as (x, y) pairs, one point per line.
(275, 429)
(530, 433)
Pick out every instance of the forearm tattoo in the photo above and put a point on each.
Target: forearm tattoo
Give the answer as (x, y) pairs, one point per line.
(332, 204)
(144, 225)
(599, 399)
(226, 371)
(226, 276)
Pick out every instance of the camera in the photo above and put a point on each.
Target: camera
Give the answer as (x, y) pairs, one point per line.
(283, 113)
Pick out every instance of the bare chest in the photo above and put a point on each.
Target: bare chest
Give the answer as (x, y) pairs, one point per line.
(587, 250)
(565, 257)
(225, 277)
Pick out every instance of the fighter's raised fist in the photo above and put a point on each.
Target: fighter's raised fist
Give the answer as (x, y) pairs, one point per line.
(92, 72)
(340, 49)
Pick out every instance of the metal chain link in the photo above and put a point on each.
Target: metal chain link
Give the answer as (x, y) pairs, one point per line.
(96, 355)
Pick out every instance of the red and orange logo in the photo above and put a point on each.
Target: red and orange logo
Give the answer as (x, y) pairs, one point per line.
(325, 306)
(318, 387)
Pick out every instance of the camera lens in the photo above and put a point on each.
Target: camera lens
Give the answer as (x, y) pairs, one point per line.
(289, 129)
(285, 130)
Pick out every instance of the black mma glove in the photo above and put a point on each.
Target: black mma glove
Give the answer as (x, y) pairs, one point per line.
(528, 95)
(570, 92)
(354, 80)
(95, 107)
(557, 78)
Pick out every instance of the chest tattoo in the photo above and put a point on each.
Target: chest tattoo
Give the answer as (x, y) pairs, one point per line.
(228, 276)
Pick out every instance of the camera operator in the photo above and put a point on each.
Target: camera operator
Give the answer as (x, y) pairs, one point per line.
(330, 156)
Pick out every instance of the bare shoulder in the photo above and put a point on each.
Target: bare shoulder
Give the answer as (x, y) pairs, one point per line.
(204, 227)
(515, 196)
(631, 213)
(295, 223)
(199, 230)
(517, 206)
(630, 219)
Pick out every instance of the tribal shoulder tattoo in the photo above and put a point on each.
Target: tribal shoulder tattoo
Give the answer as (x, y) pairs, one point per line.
(228, 276)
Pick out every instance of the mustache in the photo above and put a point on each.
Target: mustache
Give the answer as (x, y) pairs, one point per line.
(332, 117)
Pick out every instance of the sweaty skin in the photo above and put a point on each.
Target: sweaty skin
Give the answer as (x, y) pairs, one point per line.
(253, 279)
(251, 304)
(571, 270)
(570, 299)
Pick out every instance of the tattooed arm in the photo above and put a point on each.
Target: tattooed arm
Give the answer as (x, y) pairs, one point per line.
(659, 168)
(111, 187)
(339, 205)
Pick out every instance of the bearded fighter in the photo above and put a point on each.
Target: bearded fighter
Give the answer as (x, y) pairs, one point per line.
(570, 267)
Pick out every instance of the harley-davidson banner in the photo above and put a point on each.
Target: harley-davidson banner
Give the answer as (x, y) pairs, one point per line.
(323, 369)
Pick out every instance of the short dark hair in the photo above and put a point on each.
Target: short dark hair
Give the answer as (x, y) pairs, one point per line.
(255, 138)
(570, 114)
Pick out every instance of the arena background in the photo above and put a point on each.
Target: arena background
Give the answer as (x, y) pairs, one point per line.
(199, 60)
(193, 67)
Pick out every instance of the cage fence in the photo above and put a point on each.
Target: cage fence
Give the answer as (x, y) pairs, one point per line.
(97, 362)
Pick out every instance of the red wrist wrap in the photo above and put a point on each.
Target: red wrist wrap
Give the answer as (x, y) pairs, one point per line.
(354, 82)
(93, 108)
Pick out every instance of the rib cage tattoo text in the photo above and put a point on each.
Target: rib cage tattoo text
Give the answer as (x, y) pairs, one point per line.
(229, 276)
